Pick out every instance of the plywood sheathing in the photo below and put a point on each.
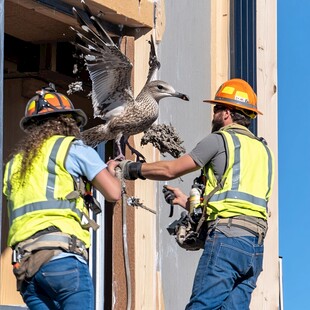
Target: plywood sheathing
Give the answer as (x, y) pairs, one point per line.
(219, 43)
(119, 290)
(145, 221)
(266, 295)
(160, 19)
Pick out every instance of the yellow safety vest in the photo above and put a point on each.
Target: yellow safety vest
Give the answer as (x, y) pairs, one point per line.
(41, 201)
(247, 180)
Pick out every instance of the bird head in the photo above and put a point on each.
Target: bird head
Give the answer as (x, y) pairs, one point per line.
(160, 89)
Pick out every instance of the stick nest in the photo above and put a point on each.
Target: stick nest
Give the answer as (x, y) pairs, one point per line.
(165, 139)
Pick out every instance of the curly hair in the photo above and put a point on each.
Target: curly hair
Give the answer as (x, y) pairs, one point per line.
(37, 134)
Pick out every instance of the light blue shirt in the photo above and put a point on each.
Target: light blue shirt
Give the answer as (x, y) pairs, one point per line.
(82, 160)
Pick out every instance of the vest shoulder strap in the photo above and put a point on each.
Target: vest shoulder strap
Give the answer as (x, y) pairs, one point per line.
(239, 129)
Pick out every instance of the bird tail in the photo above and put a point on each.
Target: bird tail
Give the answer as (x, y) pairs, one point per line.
(95, 135)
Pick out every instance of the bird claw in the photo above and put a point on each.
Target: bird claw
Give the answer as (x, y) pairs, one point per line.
(139, 156)
(142, 160)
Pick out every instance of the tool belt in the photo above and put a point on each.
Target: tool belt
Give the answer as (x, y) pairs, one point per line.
(54, 240)
(28, 256)
(256, 226)
(189, 235)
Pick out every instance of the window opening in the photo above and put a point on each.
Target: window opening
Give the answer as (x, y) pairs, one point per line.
(243, 44)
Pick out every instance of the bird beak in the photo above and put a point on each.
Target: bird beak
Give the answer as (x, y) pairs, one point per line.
(181, 96)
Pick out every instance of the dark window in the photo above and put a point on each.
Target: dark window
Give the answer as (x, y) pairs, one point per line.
(25, 54)
(243, 44)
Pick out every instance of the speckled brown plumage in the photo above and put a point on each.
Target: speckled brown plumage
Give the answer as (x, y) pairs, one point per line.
(112, 98)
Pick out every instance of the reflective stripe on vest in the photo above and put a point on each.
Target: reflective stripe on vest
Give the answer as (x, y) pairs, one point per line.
(39, 206)
(51, 167)
(41, 201)
(51, 203)
(247, 199)
(230, 194)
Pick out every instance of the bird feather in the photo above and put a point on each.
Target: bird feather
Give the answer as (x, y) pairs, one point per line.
(112, 96)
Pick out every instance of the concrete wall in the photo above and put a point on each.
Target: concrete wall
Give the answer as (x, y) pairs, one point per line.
(185, 58)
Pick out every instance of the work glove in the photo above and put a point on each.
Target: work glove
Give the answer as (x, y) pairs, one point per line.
(131, 170)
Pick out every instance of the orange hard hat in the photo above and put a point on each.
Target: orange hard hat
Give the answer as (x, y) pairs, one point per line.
(48, 102)
(239, 94)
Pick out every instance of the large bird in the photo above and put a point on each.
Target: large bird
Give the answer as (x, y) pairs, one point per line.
(112, 97)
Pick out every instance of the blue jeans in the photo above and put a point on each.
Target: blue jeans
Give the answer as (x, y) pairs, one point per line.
(227, 273)
(63, 283)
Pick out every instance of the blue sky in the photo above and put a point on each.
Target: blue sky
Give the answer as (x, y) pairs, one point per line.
(294, 149)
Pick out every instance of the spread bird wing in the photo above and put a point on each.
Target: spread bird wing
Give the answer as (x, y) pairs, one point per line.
(154, 63)
(109, 69)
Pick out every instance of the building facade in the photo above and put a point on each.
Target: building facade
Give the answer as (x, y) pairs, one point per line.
(199, 45)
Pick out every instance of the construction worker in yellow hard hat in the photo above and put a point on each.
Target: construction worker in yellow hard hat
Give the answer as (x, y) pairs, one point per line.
(229, 220)
(48, 217)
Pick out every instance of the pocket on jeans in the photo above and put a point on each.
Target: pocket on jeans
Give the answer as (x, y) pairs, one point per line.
(66, 279)
(231, 257)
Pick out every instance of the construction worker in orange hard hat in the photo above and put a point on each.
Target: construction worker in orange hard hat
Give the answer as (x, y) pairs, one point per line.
(44, 183)
(238, 94)
(238, 97)
(229, 218)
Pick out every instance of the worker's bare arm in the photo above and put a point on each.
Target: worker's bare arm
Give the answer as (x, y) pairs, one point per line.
(169, 169)
(159, 170)
(108, 185)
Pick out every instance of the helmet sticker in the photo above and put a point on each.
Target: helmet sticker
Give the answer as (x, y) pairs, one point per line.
(241, 96)
(30, 109)
(228, 90)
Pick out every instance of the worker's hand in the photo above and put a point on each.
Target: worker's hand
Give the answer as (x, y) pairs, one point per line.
(169, 195)
(179, 197)
(112, 164)
(131, 170)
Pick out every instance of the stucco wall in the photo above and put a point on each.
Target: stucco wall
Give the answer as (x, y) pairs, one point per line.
(185, 57)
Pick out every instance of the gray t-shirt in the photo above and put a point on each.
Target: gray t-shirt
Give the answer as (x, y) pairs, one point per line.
(211, 150)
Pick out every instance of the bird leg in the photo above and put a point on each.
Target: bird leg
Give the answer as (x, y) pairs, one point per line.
(120, 155)
(120, 146)
(140, 157)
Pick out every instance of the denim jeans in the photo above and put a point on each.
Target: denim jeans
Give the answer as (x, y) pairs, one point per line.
(63, 283)
(227, 273)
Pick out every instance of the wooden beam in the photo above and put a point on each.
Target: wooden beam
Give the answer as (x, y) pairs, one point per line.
(266, 295)
(219, 43)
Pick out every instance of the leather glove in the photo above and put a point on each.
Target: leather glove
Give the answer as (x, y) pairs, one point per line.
(131, 170)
